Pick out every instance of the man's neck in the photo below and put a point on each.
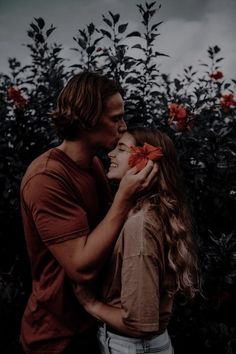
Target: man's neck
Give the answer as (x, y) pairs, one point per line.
(79, 151)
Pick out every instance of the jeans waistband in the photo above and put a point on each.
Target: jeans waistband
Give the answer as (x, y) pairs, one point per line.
(105, 329)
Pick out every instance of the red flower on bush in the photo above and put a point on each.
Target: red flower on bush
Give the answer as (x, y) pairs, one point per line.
(227, 101)
(15, 95)
(177, 112)
(217, 75)
(179, 117)
(140, 155)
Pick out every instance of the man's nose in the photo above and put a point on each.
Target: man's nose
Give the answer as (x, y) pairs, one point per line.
(122, 126)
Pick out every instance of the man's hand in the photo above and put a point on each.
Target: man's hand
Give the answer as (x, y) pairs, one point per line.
(85, 294)
(135, 183)
(103, 312)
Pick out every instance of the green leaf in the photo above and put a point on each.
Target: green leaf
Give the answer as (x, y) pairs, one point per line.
(56, 50)
(82, 43)
(150, 5)
(49, 31)
(114, 17)
(83, 34)
(76, 66)
(122, 28)
(132, 80)
(105, 33)
(227, 85)
(39, 38)
(35, 28)
(30, 33)
(97, 40)
(145, 17)
(151, 13)
(108, 22)
(134, 34)
(140, 7)
(91, 28)
(40, 22)
(161, 54)
(156, 25)
(216, 49)
(137, 46)
(218, 60)
(90, 50)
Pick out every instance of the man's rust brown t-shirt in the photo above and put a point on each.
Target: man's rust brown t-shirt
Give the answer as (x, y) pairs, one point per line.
(60, 201)
(136, 274)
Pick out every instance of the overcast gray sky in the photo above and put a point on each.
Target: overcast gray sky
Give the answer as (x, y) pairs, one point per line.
(189, 28)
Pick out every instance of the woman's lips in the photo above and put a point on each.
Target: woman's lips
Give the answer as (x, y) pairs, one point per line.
(113, 165)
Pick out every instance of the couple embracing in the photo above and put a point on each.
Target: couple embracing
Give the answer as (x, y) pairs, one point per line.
(104, 272)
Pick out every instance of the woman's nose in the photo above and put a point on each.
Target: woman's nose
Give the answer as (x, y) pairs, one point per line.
(111, 154)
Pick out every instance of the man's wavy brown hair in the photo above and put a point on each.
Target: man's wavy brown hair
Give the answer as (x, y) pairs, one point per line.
(172, 213)
(81, 103)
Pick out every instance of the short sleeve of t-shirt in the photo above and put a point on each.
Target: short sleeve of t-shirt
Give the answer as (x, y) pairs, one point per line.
(55, 211)
(140, 275)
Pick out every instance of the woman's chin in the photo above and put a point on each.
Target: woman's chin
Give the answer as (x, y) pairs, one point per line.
(113, 176)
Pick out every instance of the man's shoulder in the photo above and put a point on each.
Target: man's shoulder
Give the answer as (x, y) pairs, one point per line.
(45, 164)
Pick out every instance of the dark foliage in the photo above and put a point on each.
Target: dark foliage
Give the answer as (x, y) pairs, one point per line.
(197, 109)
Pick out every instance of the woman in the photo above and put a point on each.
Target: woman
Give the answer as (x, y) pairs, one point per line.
(153, 257)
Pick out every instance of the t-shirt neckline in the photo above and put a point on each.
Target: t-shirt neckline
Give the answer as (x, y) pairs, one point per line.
(58, 153)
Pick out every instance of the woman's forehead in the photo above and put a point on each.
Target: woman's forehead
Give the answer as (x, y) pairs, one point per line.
(127, 139)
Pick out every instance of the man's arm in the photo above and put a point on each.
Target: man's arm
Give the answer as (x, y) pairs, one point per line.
(83, 257)
(112, 316)
(142, 254)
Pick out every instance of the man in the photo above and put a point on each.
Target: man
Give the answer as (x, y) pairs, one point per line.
(69, 232)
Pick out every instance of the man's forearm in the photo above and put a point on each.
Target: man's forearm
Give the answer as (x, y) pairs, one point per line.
(83, 257)
(101, 240)
(112, 316)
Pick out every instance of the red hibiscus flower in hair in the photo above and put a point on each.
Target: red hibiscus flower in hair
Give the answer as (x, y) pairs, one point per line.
(140, 155)
(227, 101)
(16, 96)
(217, 75)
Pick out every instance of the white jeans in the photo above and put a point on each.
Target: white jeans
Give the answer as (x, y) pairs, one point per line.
(111, 343)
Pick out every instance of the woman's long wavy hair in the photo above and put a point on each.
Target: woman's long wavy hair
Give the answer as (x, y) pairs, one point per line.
(173, 213)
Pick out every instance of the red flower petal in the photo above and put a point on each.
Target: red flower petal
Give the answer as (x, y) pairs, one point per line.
(217, 75)
(153, 152)
(140, 155)
(177, 112)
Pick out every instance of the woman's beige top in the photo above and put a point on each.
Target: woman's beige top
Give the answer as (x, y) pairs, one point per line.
(136, 274)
